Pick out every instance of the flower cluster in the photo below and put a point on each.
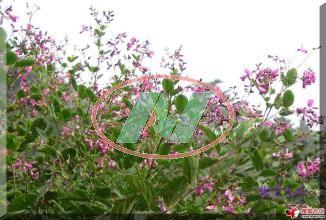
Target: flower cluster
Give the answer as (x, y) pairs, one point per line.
(308, 78)
(26, 167)
(308, 169)
(309, 115)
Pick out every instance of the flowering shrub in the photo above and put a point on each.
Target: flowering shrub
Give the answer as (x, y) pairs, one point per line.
(56, 163)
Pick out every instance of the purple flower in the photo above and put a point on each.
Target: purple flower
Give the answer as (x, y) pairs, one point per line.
(246, 74)
(309, 115)
(308, 169)
(228, 194)
(308, 78)
(229, 208)
(264, 191)
(310, 102)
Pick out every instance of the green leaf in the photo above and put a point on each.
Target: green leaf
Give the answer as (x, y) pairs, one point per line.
(291, 76)
(11, 141)
(288, 135)
(312, 201)
(99, 33)
(82, 91)
(73, 82)
(248, 183)
(21, 94)
(66, 114)
(269, 172)
(51, 68)
(72, 58)
(168, 86)
(278, 101)
(68, 153)
(127, 102)
(11, 58)
(206, 162)
(22, 202)
(288, 98)
(38, 123)
(103, 192)
(3, 35)
(208, 132)
(91, 95)
(257, 160)
(181, 102)
(244, 127)
(265, 134)
(263, 206)
(190, 168)
(285, 112)
(25, 62)
(49, 151)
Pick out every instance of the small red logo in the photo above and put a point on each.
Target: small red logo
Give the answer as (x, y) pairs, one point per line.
(292, 213)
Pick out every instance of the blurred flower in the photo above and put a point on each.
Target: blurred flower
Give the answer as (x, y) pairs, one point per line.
(246, 74)
(228, 194)
(308, 169)
(65, 131)
(264, 191)
(112, 164)
(229, 208)
(308, 78)
(310, 102)
(211, 207)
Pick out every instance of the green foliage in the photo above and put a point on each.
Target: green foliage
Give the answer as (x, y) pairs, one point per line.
(181, 102)
(168, 86)
(288, 98)
(25, 62)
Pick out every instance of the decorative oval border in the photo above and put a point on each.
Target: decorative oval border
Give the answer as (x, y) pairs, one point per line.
(162, 156)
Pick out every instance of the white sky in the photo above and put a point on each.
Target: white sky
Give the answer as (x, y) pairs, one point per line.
(219, 38)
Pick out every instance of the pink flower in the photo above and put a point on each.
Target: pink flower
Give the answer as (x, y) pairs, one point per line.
(229, 208)
(310, 102)
(12, 17)
(262, 89)
(228, 194)
(29, 27)
(90, 143)
(131, 43)
(246, 74)
(204, 187)
(65, 131)
(46, 91)
(28, 69)
(309, 115)
(211, 207)
(145, 133)
(305, 170)
(199, 191)
(288, 154)
(281, 128)
(301, 169)
(163, 207)
(303, 50)
(103, 147)
(308, 78)
(242, 200)
(112, 164)
(64, 97)
(26, 167)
